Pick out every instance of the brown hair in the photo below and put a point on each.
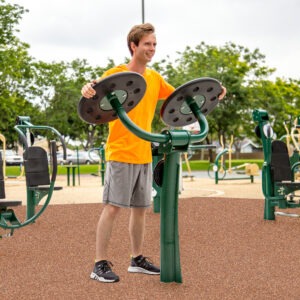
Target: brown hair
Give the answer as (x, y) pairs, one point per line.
(137, 32)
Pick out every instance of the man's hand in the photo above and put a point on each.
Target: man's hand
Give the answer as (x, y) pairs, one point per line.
(222, 95)
(87, 90)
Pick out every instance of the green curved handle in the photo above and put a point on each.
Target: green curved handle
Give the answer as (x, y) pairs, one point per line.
(33, 218)
(154, 137)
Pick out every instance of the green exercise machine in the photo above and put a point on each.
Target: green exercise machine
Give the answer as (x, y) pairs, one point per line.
(40, 179)
(118, 94)
(219, 171)
(101, 165)
(278, 171)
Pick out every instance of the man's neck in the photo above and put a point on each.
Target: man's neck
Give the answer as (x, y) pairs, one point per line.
(137, 67)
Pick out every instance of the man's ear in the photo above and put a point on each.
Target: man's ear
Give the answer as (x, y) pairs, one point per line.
(132, 46)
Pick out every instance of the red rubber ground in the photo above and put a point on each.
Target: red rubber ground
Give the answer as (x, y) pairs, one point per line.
(227, 252)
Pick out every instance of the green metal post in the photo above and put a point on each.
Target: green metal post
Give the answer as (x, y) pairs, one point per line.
(217, 177)
(30, 209)
(68, 175)
(269, 211)
(73, 176)
(261, 116)
(78, 168)
(102, 157)
(169, 256)
(223, 152)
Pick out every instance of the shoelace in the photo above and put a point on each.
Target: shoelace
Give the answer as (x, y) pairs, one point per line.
(145, 261)
(105, 267)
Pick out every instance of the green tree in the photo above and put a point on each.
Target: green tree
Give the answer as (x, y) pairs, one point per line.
(15, 72)
(281, 99)
(235, 67)
(59, 93)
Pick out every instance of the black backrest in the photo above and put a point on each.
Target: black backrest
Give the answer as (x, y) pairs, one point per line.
(2, 186)
(280, 162)
(36, 166)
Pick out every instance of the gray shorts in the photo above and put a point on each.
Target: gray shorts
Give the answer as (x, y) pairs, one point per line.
(127, 185)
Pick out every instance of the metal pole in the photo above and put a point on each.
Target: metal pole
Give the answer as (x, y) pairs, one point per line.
(143, 12)
(169, 237)
(102, 157)
(78, 168)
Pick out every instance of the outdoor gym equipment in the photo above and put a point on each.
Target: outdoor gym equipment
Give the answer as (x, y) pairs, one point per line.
(277, 171)
(38, 185)
(295, 133)
(101, 165)
(219, 171)
(295, 136)
(38, 182)
(191, 151)
(287, 137)
(158, 166)
(292, 135)
(25, 129)
(118, 94)
(294, 149)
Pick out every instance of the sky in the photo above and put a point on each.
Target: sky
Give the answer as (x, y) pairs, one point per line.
(96, 30)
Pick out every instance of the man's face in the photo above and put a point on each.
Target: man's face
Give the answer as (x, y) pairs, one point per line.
(146, 48)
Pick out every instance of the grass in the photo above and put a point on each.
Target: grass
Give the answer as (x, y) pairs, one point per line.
(196, 165)
(61, 170)
(202, 165)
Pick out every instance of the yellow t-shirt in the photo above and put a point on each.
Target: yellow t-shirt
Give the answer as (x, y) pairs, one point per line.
(124, 146)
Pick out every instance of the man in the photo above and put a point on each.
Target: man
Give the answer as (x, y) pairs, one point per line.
(128, 178)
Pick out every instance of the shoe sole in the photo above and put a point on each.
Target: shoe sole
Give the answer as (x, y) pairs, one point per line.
(102, 279)
(141, 270)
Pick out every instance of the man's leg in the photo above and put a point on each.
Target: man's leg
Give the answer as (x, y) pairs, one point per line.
(139, 263)
(104, 230)
(137, 230)
(102, 269)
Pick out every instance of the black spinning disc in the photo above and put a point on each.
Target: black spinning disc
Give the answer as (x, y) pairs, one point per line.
(129, 87)
(158, 173)
(176, 112)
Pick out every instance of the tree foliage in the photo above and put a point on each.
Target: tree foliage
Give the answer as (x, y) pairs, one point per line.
(281, 99)
(49, 92)
(15, 72)
(235, 67)
(62, 83)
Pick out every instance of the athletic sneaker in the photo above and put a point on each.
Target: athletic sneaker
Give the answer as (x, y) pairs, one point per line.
(142, 264)
(102, 272)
